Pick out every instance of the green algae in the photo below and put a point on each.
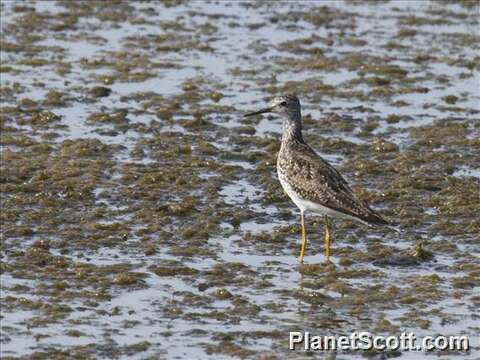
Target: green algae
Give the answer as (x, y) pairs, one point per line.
(173, 271)
(43, 118)
(99, 91)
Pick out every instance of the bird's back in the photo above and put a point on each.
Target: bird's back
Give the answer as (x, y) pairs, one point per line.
(313, 179)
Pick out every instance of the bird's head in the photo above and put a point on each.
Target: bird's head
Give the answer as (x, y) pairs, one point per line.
(286, 105)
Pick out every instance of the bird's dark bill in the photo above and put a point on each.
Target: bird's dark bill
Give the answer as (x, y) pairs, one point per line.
(267, 110)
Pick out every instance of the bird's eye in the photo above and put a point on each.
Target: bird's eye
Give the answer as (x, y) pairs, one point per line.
(283, 103)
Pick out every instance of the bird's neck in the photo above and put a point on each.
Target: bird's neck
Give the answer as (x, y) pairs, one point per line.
(292, 128)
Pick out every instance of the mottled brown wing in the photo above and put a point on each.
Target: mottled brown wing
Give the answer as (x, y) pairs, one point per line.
(316, 180)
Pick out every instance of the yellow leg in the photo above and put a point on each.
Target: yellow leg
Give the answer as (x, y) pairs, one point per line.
(304, 238)
(328, 238)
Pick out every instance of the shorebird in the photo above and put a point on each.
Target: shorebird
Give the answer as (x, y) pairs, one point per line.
(311, 182)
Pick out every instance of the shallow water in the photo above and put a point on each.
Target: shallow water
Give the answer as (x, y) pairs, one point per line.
(145, 219)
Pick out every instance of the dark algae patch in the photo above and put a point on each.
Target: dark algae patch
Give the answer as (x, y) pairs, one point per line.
(140, 209)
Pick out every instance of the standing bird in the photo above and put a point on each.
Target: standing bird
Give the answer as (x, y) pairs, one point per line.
(311, 182)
